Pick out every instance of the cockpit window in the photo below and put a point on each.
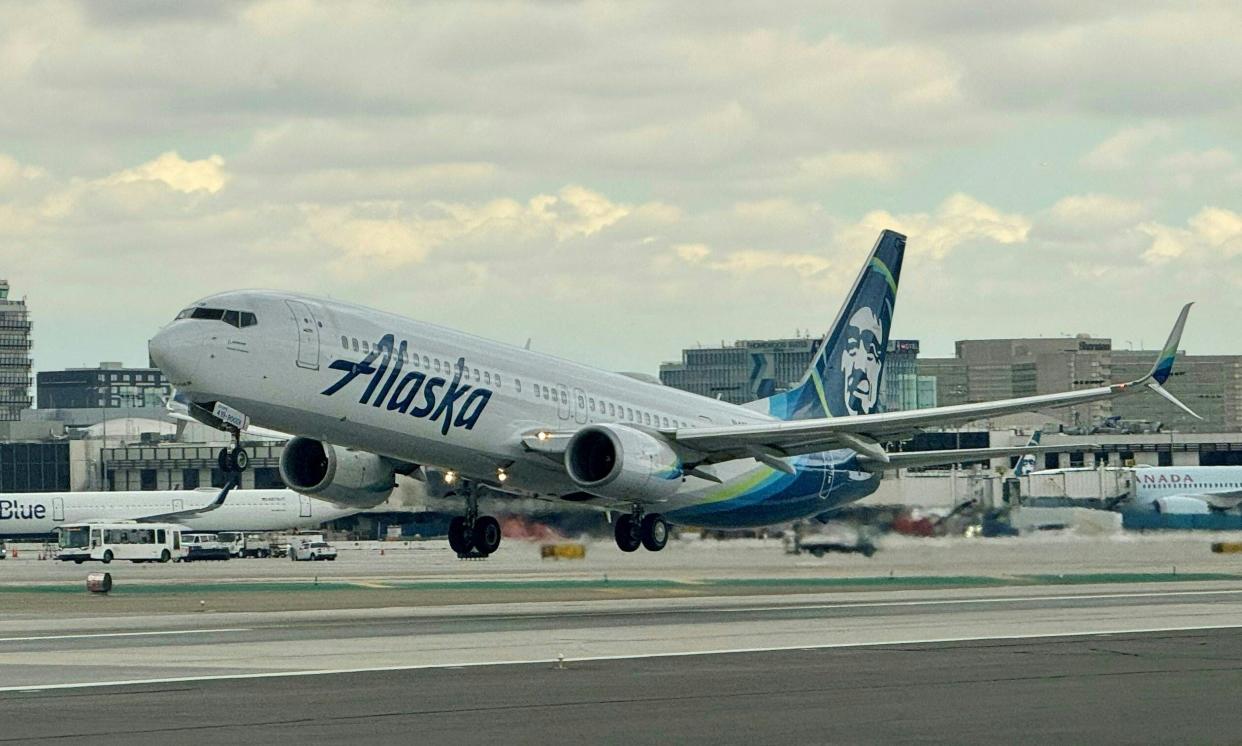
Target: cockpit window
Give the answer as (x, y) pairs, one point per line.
(238, 319)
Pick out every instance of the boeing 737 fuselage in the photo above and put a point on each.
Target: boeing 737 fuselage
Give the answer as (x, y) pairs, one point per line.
(371, 394)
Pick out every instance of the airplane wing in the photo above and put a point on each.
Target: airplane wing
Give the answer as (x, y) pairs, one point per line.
(178, 515)
(770, 442)
(865, 433)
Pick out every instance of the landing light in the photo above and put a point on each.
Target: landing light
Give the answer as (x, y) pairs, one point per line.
(501, 476)
(450, 477)
(543, 435)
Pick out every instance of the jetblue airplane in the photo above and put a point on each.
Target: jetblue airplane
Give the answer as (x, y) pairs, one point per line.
(40, 513)
(1187, 489)
(370, 394)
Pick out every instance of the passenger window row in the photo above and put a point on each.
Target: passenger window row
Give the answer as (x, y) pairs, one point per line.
(607, 409)
(429, 363)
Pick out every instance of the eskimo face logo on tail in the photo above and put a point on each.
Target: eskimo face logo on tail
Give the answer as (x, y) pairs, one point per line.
(452, 403)
(861, 360)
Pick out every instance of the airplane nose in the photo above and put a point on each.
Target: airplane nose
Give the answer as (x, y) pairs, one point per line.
(176, 351)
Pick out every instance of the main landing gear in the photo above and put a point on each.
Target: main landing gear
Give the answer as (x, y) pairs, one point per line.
(472, 535)
(635, 530)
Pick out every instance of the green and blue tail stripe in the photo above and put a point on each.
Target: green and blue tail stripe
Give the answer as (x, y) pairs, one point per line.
(845, 377)
(1168, 355)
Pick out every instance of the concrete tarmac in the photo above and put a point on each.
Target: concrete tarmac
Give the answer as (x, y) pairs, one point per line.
(728, 643)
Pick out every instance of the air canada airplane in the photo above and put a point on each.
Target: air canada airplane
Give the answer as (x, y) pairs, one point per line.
(206, 509)
(1187, 489)
(369, 394)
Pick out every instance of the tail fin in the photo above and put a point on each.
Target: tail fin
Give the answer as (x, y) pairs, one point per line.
(845, 376)
(1026, 464)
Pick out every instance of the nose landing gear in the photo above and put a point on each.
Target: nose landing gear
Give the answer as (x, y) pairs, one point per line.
(649, 531)
(233, 460)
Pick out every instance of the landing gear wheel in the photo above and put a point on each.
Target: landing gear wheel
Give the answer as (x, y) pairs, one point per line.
(223, 461)
(654, 532)
(240, 459)
(460, 537)
(627, 533)
(486, 535)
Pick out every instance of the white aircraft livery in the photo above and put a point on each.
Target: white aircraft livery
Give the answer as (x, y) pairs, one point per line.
(369, 394)
(39, 513)
(1187, 489)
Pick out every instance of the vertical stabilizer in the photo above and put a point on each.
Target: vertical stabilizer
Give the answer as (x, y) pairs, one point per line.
(845, 376)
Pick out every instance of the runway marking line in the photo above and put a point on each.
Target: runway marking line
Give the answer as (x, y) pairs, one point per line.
(34, 688)
(957, 601)
(125, 634)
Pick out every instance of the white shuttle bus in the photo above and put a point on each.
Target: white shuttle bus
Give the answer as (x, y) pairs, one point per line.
(120, 540)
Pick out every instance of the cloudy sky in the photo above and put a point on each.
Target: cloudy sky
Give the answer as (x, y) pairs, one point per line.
(621, 180)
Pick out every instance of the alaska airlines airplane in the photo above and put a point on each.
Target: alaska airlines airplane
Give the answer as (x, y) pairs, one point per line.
(370, 394)
(1026, 464)
(1187, 489)
(39, 513)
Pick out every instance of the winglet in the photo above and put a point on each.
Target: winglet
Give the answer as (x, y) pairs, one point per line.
(1163, 368)
(1165, 393)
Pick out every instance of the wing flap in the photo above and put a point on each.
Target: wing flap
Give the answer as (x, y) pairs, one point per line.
(960, 455)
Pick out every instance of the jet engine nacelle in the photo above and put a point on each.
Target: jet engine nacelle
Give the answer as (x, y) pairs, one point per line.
(1181, 505)
(353, 479)
(622, 463)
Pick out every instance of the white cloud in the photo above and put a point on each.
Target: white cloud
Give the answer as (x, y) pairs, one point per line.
(958, 220)
(692, 252)
(836, 166)
(12, 172)
(1120, 150)
(1212, 237)
(176, 173)
(1081, 215)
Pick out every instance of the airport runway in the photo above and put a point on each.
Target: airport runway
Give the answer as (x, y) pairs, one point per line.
(1174, 687)
(1143, 662)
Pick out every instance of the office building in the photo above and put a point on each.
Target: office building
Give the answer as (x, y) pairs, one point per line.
(15, 344)
(990, 369)
(109, 386)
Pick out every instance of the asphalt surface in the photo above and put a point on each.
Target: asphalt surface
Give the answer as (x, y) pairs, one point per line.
(1176, 686)
(736, 644)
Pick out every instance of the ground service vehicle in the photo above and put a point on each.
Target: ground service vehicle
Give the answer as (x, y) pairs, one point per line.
(313, 551)
(205, 547)
(127, 540)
